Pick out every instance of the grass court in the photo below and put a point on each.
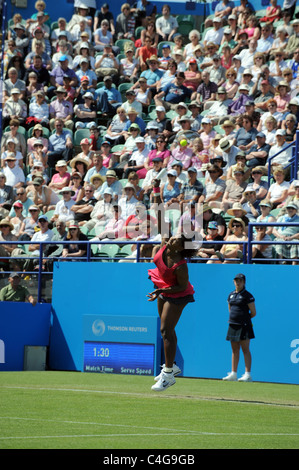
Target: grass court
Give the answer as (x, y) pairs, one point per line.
(74, 410)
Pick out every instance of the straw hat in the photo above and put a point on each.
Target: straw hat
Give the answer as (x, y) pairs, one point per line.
(236, 219)
(7, 222)
(66, 189)
(283, 83)
(97, 176)
(228, 123)
(152, 58)
(78, 159)
(236, 207)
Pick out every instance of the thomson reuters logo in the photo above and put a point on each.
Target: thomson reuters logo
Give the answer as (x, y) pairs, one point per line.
(98, 327)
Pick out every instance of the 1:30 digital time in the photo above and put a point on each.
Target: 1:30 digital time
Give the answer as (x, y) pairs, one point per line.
(101, 352)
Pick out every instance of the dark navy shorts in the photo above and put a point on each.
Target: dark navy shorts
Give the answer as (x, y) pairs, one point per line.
(178, 300)
(240, 333)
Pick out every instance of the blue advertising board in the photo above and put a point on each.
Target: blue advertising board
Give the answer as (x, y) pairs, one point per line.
(121, 344)
(82, 291)
(22, 325)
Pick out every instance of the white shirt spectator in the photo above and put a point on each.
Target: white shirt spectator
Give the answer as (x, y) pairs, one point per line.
(264, 45)
(41, 237)
(128, 206)
(139, 157)
(63, 210)
(166, 25)
(247, 58)
(13, 175)
(214, 36)
(284, 157)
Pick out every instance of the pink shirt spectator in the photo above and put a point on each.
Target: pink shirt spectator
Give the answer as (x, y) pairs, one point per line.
(282, 103)
(57, 178)
(106, 160)
(117, 227)
(61, 109)
(31, 141)
(183, 156)
(207, 138)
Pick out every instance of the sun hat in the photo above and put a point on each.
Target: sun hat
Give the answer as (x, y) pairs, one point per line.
(111, 173)
(97, 176)
(236, 207)
(67, 190)
(238, 220)
(225, 144)
(61, 163)
(80, 160)
(130, 186)
(7, 222)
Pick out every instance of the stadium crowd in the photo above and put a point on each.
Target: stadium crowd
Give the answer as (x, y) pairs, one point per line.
(99, 112)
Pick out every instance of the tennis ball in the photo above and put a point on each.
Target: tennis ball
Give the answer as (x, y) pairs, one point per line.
(183, 143)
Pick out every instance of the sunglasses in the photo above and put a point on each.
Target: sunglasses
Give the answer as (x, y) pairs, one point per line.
(236, 225)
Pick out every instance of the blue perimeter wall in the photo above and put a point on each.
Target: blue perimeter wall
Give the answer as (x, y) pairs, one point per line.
(107, 289)
(66, 8)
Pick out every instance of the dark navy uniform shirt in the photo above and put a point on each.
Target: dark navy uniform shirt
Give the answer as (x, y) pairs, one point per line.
(239, 310)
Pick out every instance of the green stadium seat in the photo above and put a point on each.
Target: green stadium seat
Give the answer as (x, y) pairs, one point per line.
(121, 43)
(79, 135)
(108, 251)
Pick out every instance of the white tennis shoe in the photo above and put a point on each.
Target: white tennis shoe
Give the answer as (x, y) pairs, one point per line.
(175, 370)
(245, 378)
(165, 381)
(231, 377)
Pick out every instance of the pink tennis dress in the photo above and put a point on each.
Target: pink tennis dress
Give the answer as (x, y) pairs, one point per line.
(163, 277)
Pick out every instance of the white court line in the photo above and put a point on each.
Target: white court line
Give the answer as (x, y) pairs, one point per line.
(172, 432)
(88, 423)
(213, 434)
(153, 395)
(90, 435)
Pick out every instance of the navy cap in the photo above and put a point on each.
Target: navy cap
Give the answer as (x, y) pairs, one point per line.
(193, 169)
(240, 276)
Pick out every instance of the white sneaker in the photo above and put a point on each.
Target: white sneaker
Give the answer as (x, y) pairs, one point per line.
(245, 378)
(175, 370)
(165, 381)
(231, 376)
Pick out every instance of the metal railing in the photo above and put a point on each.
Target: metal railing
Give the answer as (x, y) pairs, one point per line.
(252, 242)
(293, 161)
(245, 247)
